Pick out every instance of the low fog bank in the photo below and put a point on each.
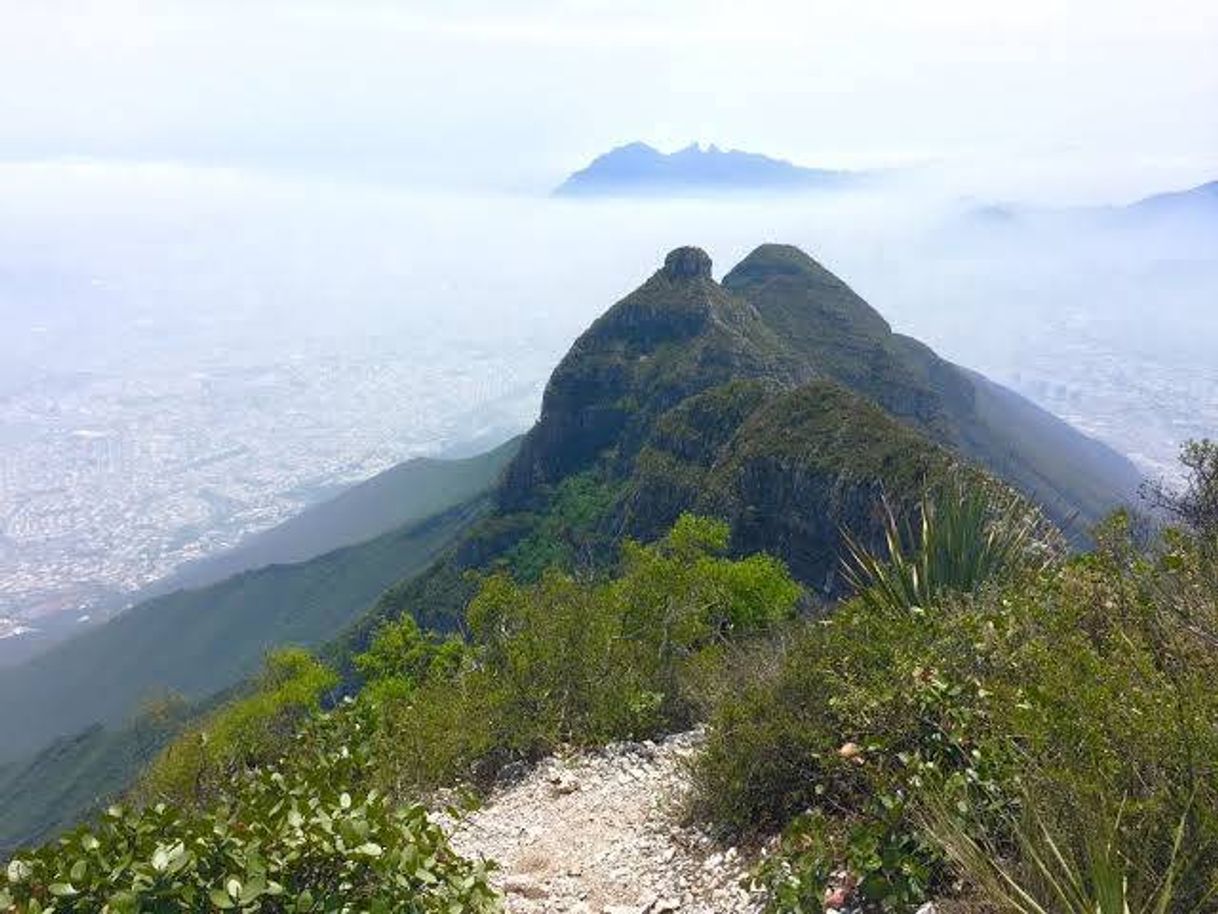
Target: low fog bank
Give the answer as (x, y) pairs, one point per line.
(240, 343)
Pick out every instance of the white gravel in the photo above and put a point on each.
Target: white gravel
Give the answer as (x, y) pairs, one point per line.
(601, 833)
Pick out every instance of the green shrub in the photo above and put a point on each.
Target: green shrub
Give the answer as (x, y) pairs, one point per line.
(568, 534)
(247, 731)
(1070, 690)
(570, 661)
(402, 657)
(896, 673)
(864, 709)
(300, 836)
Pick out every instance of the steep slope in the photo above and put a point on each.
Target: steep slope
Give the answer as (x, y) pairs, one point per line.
(196, 642)
(75, 775)
(403, 494)
(780, 320)
(192, 643)
(833, 329)
(676, 335)
(789, 471)
(830, 328)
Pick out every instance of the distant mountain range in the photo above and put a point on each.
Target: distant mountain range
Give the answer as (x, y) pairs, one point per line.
(1196, 201)
(637, 169)
(1195, 204)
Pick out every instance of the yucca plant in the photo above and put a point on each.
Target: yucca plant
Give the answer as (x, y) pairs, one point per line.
(1045, 871)
(968, 533)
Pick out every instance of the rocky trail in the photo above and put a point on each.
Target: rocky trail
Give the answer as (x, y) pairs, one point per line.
(602, 833)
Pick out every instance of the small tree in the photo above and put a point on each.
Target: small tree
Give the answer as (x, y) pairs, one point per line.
(1196, 504)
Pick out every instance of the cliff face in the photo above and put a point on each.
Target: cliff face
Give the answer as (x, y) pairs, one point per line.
(790, 470)
(811, 463)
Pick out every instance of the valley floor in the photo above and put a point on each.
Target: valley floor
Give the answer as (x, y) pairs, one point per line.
(603, 833)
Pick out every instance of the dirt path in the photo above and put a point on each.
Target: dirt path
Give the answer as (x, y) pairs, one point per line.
(600, 833)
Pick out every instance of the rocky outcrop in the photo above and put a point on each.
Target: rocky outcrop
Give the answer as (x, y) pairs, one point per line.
(790, 471)
(687, 263)
(778, 400)
(675, 336)
(809, 466)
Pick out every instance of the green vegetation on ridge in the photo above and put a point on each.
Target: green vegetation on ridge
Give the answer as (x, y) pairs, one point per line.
(939, 741)
(557, 660)
(966, 729)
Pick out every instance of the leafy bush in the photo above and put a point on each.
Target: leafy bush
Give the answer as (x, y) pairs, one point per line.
(568, 533)
(571, 661)
(300, 836)
(402, 657)
(247, 731)
(865, 709)
(893, 673)
(1070, 689)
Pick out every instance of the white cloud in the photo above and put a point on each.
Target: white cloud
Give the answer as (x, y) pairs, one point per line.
(501, 94)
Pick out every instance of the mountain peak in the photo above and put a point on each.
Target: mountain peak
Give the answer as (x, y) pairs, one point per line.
(639, 169)
(778, 258)
(685, 263)
(778, 321)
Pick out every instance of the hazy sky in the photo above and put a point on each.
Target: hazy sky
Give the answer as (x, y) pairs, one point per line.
(1082, 99)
